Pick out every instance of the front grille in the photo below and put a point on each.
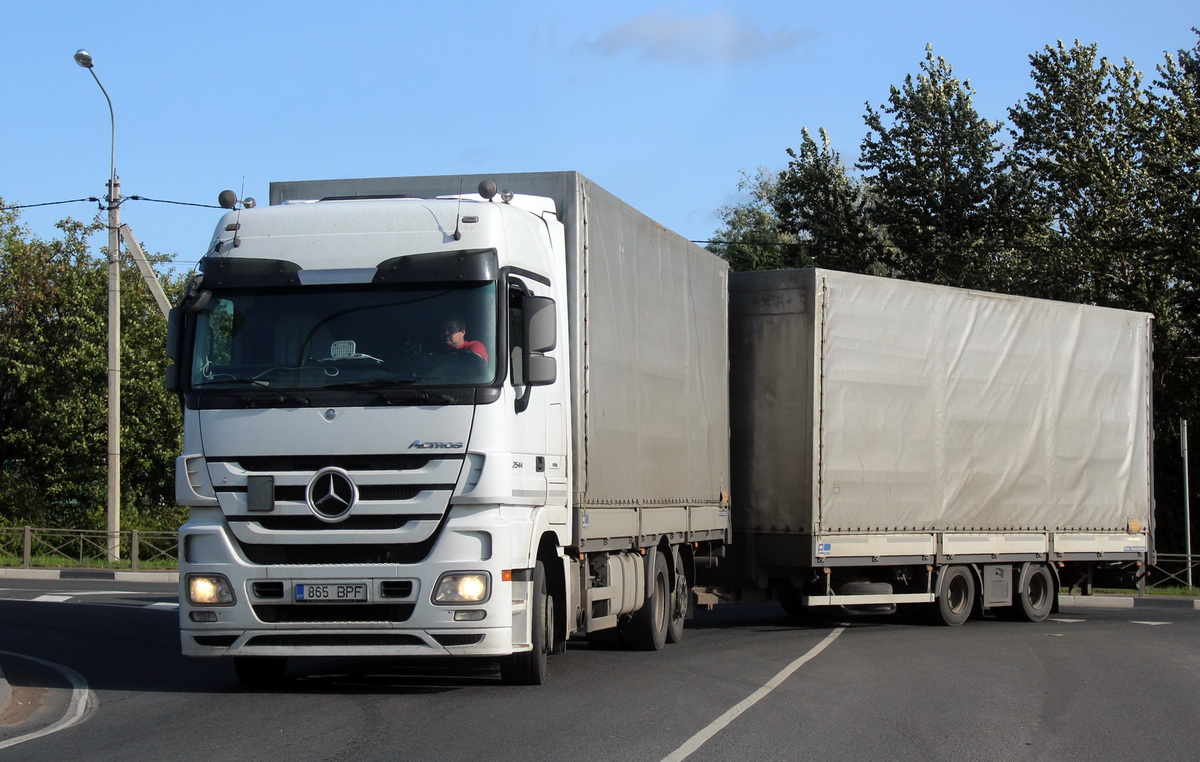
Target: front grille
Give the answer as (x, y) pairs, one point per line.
(346, 612)
(215, 641)
(313, 524)
(458, 640)
(396, 588)
(267, 589)
(296, 493)
(303, 555)
(313, 463)
(333, 640)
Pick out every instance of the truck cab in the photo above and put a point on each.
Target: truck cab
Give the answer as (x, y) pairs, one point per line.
(357, 483)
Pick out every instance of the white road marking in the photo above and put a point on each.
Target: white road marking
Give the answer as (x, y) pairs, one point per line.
(53, 598)
(163, 605)
(698, 740)
(1152, 624)
(81, 700)
(1068, 621)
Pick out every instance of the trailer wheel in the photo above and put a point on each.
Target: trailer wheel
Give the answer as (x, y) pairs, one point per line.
(260, 671)
(956, 595)
(1034, 594)
(794, 607)
(681, 593)
(530, 667)
(646, 630)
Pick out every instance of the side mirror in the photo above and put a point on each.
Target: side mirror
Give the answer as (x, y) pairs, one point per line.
(542, 370)
(541, 317)
(174, 332)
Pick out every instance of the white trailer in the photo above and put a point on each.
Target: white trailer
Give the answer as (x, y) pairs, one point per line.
(359, 486)
(903, 443)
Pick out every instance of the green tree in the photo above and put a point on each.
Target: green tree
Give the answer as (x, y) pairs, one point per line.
(930, 163)
(818, 202)
(53, 387)
(750, 237)
(1081, 135)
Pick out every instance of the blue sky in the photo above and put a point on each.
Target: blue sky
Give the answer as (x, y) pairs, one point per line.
(663, 104)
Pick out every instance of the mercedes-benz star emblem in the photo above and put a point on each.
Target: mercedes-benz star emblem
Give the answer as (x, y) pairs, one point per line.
(331, 494)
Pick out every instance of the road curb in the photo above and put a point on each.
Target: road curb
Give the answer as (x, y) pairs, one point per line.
(1127, 601)
(118, 576)
(5, 691)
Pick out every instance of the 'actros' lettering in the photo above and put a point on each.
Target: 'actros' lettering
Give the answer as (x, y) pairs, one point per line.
(419, 445)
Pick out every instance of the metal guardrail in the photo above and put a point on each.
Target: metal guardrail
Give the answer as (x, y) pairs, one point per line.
(1175, 569)
(84, 548)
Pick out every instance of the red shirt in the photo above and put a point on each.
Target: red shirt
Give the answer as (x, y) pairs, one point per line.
(476, 347)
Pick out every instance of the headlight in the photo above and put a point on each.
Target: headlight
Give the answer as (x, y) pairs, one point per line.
(463, 587)
(209, 590)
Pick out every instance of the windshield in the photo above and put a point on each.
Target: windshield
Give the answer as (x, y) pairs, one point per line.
(346, 336)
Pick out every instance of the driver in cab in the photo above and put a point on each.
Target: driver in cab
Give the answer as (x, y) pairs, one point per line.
(454, 334)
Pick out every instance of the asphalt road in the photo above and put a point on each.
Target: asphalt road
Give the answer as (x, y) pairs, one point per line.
(746, 683)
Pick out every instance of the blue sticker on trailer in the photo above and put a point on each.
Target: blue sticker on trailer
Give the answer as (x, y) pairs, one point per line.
(824, 548)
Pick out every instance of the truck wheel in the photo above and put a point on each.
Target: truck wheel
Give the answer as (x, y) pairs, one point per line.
(646, 629)
(1034, 594)
(956, 595)
(529, 667)
(260, 671)
(680, 595)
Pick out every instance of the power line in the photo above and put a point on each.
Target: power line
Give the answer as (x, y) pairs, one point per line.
(179, 203)
(96, 200)
(49, 203)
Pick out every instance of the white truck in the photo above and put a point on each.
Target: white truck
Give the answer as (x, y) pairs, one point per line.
(902, 443)
(424, 420)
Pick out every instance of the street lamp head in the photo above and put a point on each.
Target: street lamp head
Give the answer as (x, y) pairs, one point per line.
(83, 58)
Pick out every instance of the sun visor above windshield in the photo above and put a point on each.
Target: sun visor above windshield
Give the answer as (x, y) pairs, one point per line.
(248, 273)
(439, 267)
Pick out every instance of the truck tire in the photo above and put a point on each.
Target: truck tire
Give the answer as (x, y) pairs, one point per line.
(680, 598)
(1034, 598)
(530, 667)
(646, 628)
(955, 596)
(260, 671)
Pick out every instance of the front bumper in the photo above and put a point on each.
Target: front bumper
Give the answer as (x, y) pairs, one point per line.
(398, 617)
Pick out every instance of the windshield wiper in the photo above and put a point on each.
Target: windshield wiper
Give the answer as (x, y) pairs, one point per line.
(382, 387)
(260, 384)
(238, 380)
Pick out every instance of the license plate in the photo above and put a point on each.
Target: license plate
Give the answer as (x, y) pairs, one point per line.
(331, 592)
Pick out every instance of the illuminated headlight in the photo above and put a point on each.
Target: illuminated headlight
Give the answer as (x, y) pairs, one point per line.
(209, 590)
(462, 587)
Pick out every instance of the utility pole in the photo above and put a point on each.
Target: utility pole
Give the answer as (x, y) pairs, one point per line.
(84, 59)
(1187, 504)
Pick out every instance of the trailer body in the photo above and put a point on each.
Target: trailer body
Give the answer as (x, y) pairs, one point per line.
(885, 430)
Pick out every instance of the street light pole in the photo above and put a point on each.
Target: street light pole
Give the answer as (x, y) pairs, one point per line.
(84, 59)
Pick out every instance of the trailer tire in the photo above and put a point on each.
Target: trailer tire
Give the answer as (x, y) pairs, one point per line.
(794, 607)
(646, 629)
(955, 596)
(260, 671)
(530, 667)
(1034, 596)
(680, 595)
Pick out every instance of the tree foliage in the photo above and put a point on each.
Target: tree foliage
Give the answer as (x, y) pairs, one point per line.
(819, 201)
(930, 163)
(53, 387)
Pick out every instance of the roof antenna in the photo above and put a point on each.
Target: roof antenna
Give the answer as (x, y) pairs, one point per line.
(458, 214)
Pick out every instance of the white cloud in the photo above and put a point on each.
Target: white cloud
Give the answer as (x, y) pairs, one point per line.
(672, 37)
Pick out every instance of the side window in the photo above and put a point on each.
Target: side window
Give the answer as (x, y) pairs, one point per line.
(516, 336)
